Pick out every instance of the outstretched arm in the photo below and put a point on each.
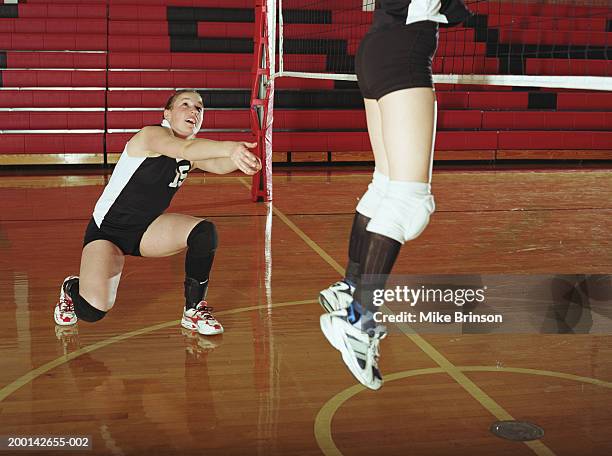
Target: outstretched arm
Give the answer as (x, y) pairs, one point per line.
(156, 141)
(226, 165)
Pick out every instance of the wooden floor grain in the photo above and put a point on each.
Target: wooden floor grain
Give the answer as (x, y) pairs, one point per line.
(136, 383)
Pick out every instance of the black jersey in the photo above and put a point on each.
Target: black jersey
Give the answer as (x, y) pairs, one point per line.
(391, 12)
(139, 190)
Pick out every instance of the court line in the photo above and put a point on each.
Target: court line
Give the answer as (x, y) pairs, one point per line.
(322, 253)
(537, 446)
(323, 420)
(471, 388)
(545, 373)
(313, 245)
(9, 389)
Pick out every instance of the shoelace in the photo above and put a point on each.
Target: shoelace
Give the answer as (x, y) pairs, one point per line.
(205, 311)
(66, 305)
(373, 349)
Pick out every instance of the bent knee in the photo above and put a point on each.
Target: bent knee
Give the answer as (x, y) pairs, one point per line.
(403, 219)
(203, 237)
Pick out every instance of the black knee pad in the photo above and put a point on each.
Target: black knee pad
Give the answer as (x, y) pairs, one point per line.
(203, 238)
(83, 310)
(87, 312)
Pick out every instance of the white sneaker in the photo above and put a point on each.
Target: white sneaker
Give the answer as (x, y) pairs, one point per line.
(359, 349)
(338, 296)
(200, 319)
(64, 309)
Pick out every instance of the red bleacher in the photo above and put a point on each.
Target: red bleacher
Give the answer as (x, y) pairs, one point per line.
(565, 67)
(587, 24)
(52, 98)
(53, 78)
(538, 10)
(53, 25)
(554, 37)
(52, 42)
(83, 75)
(56, 143)
(33, 60)
(215, 119)
(54, 120)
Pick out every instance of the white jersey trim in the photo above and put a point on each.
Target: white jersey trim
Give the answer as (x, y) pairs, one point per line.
(124, 170)
(425, 10)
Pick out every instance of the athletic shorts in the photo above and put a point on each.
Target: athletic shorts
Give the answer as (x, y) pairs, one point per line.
(127, 240)
(395, 58)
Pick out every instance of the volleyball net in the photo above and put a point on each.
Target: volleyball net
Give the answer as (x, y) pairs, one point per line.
(557, 44)
(515, 42)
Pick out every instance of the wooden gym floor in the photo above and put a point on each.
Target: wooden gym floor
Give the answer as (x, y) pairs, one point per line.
(135, 383)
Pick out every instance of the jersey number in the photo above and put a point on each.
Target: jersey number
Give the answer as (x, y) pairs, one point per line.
(181, 175)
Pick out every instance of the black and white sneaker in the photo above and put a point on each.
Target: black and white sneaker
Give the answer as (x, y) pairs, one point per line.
(359, 350)
(338, 296)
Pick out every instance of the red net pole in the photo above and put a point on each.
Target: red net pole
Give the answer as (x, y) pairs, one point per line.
(262, 95)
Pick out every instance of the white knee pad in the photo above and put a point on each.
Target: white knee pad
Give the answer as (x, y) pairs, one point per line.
(371, 199)
(404, 212)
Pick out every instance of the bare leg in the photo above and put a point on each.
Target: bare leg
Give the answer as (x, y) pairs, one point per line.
(101, 267)
(408, 127)
(167, 235)
(375, 132)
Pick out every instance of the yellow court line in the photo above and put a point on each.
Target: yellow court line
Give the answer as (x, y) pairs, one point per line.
(483, 398)
(313, 245)
(474, 390)
(323, 420)
(41, 370)
(322, 253)
(544, 373)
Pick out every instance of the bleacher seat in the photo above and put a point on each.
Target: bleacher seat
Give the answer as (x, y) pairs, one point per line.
(79, 77)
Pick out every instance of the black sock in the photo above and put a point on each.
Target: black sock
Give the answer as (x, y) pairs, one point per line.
(358, 239)
(195, 292)
(201, 247)
(197, 271)
(377, 261)
(198, 266)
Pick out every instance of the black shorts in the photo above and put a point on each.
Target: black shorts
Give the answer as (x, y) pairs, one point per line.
(127, 240)
(395, 58)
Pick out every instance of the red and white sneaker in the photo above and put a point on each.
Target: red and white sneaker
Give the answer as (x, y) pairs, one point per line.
(200, 319)
(64, 310)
